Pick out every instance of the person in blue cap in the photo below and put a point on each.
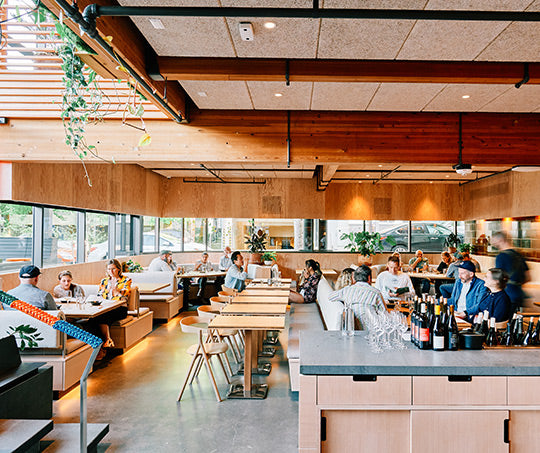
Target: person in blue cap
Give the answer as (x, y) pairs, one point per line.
(468, 290)
(28, 292)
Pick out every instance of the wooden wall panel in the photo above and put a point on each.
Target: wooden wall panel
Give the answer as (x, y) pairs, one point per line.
(117, 188)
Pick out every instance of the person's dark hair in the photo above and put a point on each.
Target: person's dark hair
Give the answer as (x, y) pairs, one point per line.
(63, 274)
(466, 256)
(235, 255)
(445, 255)
(205, 254)
(362, 273)
(500, 276)
(394, 259)
(314, 265)
(117, 265)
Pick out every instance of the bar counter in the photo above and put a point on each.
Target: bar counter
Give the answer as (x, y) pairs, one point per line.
(413, 400)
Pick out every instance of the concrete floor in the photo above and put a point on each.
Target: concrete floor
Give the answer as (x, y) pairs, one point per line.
(136, 393)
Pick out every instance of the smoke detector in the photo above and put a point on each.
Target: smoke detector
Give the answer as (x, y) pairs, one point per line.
(246, 31)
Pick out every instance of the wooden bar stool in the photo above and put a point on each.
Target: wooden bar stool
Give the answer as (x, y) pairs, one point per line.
(202, 351)
(206, 312)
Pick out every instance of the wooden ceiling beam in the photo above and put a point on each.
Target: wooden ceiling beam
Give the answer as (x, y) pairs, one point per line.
(257, 69)
(132, 46)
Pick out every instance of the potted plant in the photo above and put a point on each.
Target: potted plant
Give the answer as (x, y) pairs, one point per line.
(365, 244)
(256, 242)
(452, 241)
(466, 247)
(132, 266)
(269, 257)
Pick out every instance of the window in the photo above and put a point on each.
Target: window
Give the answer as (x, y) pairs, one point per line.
(124, 235)
(331, 236)
(59, 237)
(97, 236)
(15, 236)
(170, 234)
(430, 236)
(194, 234)
(219, 233)
(397, 229)
(149, 234)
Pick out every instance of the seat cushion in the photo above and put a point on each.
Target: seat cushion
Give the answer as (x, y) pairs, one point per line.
(122, 322)
(142, 311)
(156, 297)
(210, 348)
(73, 345)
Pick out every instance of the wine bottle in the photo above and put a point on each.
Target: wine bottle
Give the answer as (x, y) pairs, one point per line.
(424, 328)
(492, 339)
(438, 330)
(484, 328)
(444, 319)
(535, 339)
(452, 331)
(509, 335)
(527, 338)
(518, 332)
(413, 321)
(478, 322)
(431, 321)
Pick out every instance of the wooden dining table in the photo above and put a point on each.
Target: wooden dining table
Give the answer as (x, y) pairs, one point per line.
(265, 292)
(87, 310)
(150, 288)
(254, 309)
(265, 280)
(261, 299)
(187, 276)
(432, 275)
(250, 325)
(328, 272)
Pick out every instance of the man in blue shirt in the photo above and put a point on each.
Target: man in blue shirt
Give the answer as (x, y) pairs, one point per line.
(236, 276)
(511, 262)
(468, 290)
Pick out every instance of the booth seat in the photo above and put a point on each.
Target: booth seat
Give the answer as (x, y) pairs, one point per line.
(323, 315)
(134, 327)
(66, 356)
(165, 303)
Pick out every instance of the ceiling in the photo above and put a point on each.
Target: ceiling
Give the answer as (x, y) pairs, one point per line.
(353, 39)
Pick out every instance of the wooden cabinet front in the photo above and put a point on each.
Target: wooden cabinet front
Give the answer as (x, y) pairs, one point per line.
(455, 431)
(365, 431)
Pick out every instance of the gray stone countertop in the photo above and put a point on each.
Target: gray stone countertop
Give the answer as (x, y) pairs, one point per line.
(330, 353)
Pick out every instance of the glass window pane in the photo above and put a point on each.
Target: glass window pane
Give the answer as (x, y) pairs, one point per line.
(170, 234)
(59, 237)
(430, 236)
(194, 234)
(124, 235)
(281, 234)
(397, 229)
(97, 236)
(330, 236)
(15, 236)
(149, 234)
(219, 234)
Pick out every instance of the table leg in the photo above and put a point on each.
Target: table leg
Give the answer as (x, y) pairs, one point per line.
(249, 390)
(185, 288)
(265, 351)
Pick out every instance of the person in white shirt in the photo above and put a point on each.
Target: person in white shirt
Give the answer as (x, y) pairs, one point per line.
(224, 264)
(361, 296)
(203, 265)
(390, 280)
(236, 276)
(163, 263)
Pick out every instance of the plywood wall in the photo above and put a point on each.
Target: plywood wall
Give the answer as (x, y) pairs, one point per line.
(115, 188)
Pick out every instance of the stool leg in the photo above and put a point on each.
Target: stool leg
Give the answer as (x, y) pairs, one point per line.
(223, 368)
(197, 369)
(187, 377)
(211, 375)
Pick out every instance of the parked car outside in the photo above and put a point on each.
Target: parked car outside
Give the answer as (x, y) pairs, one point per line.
(427, 236)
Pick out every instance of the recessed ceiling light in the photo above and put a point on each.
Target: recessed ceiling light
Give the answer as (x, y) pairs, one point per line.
(380, 165)
(261, 174)
(431, 182)
(278, 95)
(202, 94)
(447, 176)
(465, 96)
(269, 25)
(157, 24)
(367, 176)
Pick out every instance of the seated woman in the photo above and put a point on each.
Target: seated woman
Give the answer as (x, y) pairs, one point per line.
(66, 287)
(308, 290)
(344, 279)
(113, 287)
(496, 301)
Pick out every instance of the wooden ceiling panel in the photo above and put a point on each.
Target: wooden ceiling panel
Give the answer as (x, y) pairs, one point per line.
(524, 99)
(450, 99)
(342, 96)
(291, 38)
(218, 95)
(449, 40)
(404, 96)
(297, 96)
(362, 39)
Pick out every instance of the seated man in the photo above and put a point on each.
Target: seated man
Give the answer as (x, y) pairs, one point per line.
(361, 296)
(467, 257)
(451, 272)
(446, 261)
(420, 263)
(163, 263)
(391, 280)
(496, 301)
(224, 264)
(203, 265)
(28, 292)
(236, 276)
(468, 291)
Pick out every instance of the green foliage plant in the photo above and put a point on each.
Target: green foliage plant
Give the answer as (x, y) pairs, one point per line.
(365, 243)
(132, 266)
(452, 240)
(269, 255)
(466, 247)
(256, 238)
(28, 335)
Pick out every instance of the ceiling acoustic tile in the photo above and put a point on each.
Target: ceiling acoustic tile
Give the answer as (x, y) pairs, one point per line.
(218, 94)
(449, 40)
(342, 96)
(450, 99)
(479, 5)
(297, 96)
(409, 97)
(291, 38)
(525, 99)
(362, 39)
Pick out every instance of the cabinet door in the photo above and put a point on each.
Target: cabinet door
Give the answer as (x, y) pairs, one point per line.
(523, 431)
(458, 431)
(365, 431)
